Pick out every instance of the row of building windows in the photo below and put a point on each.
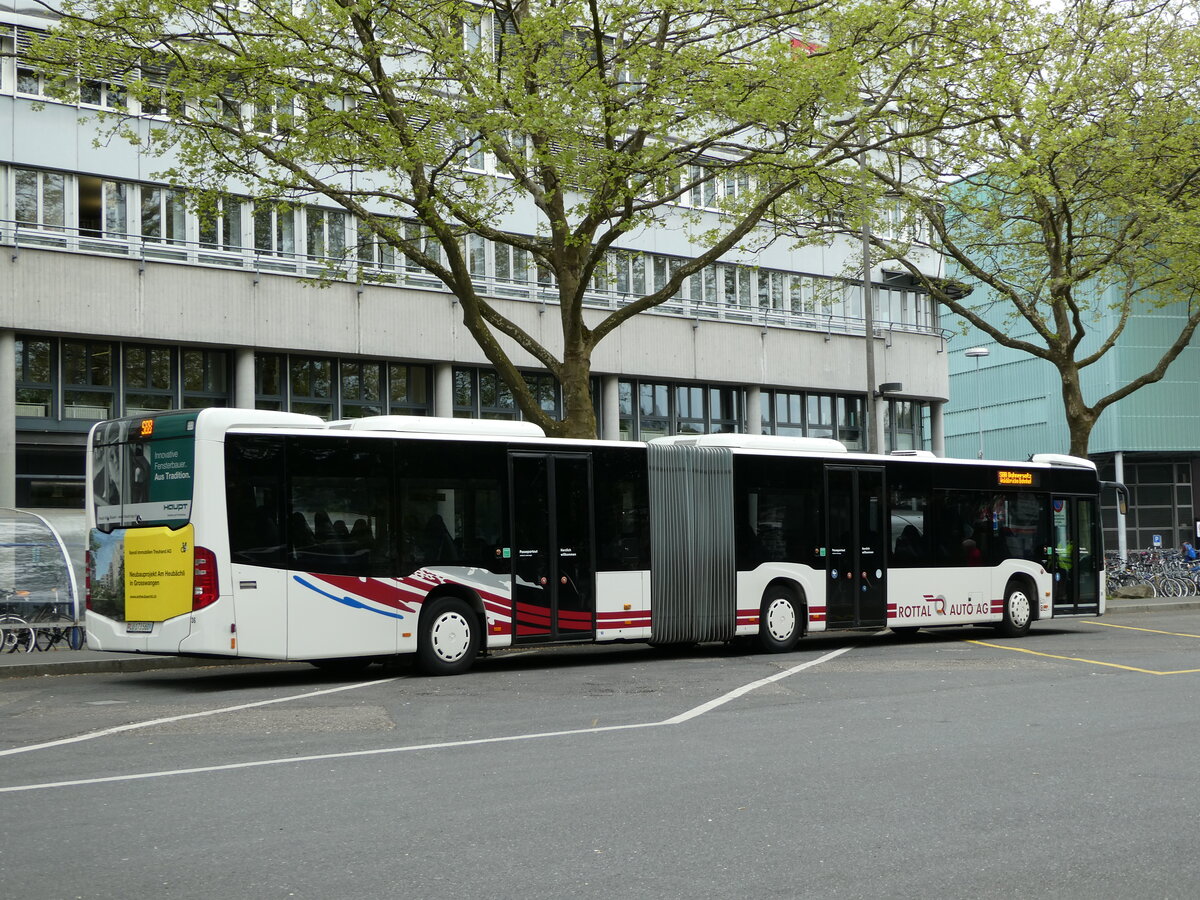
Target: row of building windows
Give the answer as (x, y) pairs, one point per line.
(1160, 504)
(101, 215)
(62, 380)
(84, 381)
(697, 186)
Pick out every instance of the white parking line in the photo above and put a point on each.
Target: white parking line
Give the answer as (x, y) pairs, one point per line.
(690, 714)
(133, 726)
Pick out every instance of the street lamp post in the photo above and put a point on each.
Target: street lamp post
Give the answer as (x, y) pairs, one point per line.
(978, 353)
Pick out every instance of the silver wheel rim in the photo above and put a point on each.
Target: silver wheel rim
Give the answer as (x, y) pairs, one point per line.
(1018, 609)
(781, 619)
(450, 637)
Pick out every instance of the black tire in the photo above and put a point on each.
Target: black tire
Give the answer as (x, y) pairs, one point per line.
(1018, 610)
(779, 622)
(76, 637)
(16, 636)
(447, 637)
(905, 630)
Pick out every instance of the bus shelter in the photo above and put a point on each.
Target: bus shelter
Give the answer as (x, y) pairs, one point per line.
(39, 600)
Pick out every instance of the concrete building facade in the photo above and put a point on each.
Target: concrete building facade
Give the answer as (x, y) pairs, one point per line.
(117, 299)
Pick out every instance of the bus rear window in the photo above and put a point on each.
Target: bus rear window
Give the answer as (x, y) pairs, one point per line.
(142, 471)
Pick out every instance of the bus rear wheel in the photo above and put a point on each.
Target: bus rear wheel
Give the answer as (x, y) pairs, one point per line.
(1018, 610)
(447, 637)
(779, 621)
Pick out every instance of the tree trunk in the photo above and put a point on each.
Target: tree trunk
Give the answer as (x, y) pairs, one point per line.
(579, 414)
(1081, 418)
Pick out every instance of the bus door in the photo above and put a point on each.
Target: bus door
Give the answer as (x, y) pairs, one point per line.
(855, 536)
(552, 553)
(1074, 557)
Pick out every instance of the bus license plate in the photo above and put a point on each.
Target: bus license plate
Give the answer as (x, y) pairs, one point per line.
(136, 627)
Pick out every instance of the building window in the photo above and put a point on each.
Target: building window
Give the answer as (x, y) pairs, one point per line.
(274, 229)
(783, 413)
(40, 198)
(546, 392)
(29, 78)
(654, 411)
(1160, 503)
(310, 386)
(648, 409)
(88, 391)
(689, 406)
(819, 422)
(103, 208)
(850, 421)
(149, 380)
(481, 394)
(724, 410)
(167, 101)
(496, 400)
(361, 384)
(408, 389)
(110, 93)
(325, 230)
(902, 425)
(205, 378)
(802, 414)
(220, 226)
(512, 269)
(35, 377)
(268, 381)
(164, 215)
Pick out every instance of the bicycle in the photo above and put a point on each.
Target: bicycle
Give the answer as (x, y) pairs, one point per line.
(15, 635)
(50, 629)
(48, 637)
(42, 628)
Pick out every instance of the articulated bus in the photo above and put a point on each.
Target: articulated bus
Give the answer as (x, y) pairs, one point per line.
(270, 535)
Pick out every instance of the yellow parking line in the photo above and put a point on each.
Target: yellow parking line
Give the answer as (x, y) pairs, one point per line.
(1094, 662)
(1150, 630)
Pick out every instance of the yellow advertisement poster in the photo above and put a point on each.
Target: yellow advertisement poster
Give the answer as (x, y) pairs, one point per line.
(158, 573)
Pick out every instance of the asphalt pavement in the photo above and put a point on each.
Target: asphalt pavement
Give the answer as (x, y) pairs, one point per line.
(64, 661)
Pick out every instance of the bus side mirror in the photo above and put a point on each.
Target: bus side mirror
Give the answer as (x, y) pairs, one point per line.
(1122, 495)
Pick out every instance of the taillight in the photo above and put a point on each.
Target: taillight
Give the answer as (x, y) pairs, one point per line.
(87, 579)
(204, 579)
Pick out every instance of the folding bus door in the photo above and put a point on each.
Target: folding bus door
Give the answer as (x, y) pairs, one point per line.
(856, 558)
(1075, 559)
(553, 584)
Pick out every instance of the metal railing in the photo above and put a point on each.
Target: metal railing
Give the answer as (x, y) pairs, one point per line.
(350, 269)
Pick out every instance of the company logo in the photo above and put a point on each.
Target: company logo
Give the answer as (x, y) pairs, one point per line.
(939, 603)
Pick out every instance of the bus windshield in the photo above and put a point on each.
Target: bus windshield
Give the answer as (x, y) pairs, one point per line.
(143, 471)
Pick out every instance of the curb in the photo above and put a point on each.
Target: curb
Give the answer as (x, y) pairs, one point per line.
(130, 664)
(1141, 606)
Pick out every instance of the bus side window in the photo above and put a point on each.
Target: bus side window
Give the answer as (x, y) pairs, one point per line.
(622, 510)
(911, 520)
(778, 504)
(339, 492)
(253, 499)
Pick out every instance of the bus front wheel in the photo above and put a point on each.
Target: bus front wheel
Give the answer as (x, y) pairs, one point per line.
(448, 637)
(1018, 610)
(779, 622)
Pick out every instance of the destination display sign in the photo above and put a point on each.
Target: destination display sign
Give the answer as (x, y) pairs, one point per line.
(1011, 477)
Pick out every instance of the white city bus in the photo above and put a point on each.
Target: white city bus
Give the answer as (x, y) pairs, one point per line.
(268, 535)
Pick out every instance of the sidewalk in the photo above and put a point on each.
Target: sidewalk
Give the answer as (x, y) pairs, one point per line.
(62, 661)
